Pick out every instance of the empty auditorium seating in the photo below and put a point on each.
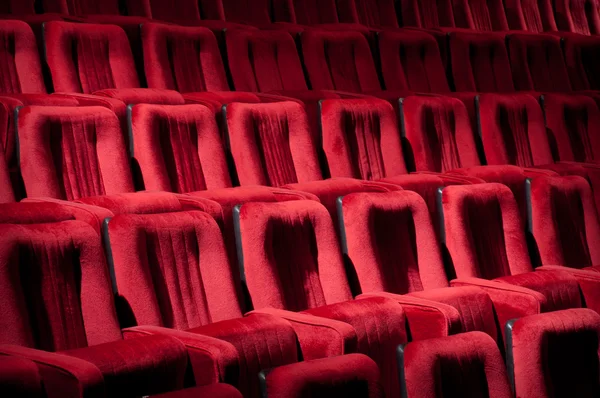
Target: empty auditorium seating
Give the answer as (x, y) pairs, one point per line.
(534, 16)
(352, 375)
(467, 364)
(485, 237)
(63, 304)
(577, 16)
(581, 56)
(554, 354)
(393, 249)
(191, 289)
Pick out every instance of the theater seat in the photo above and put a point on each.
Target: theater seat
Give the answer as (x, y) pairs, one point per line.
(393, 249)
(468, 364)
(6, 190)
(581, 56)
(577, 16)
(376, 14)
(554, 354)
(352, 375)
(480, 15)
(535, 16)
(173, 272)
(62, 316)
(20, 378)
(484, 235)
(428, 14)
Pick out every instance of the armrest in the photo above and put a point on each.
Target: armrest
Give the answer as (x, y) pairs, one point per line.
(509, 301)
(212, 360)
(587, 279)
(115, 105)
(143, 96)
(426, 319)
(62, 375)
(318, 337)
(90, 214)
(576, 272)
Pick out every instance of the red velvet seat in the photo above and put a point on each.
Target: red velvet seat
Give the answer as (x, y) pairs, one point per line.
(467, 364)
(427, 14)
(581, 56)
(6, 190)
(535, 16)
(376, 14)
(481, 15)
(393, 250)
(555, 354)
(19, 378)
(485, 238)
(578, 16)
(174, 272)
(291, 262)
(352, 375)
(64, 304)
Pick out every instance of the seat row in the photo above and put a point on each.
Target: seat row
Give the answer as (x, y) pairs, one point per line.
(176, 320)
(535, 16)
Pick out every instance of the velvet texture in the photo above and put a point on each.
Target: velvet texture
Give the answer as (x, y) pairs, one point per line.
(352, 375)
(577, 16)
(391, 243)
(535, 16)
(216, 390)
(581, 57)
(6, 190)
(292, 261)
(467, 364)
(20, 377)
(480, 62)
(271, 144)
(428, 14)
(411, 60)
(556, 354)
(481, 15)
(339, 61)
(439, 133)
(379, 14)
(174, 272)
(33, 213)
(537, 63)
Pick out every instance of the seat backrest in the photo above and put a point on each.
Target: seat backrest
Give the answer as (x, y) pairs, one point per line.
(271, 144)
(371, 13)
(411, 60)
(484, 232)
(578, 16)
(178, 148)
(537, 63)
(70, 153)
(109, 7)
(187, 12)
(512, 130)
(85, 58)
(314, 12)
(291, 256)
(61, 298)
(466, 364)
(535, 16)
(211, 9)
(251, 12)
(7, 194)
(427, 14)
(582, 56)
(482, 15)
(338, 60)
(151, 253)
(555, 354)
(21, 69)
(185, 59)
(391, 242)
(480, 62)
(573, 122)
(360, 139)
(262, 61)
(564, 221)
(438, 132)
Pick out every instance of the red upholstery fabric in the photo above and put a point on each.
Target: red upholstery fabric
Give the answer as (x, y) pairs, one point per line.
(411, 60)
(216, 390)
(578, 16)
(537, 63)
(482, 15)
(20, 377)
(352, 375)
(33, 213)
(378, 14)
(6, 190)
(565, 222)
(251, 12)
(271, 144)
(178, 148)
(572, 122)
(427, 14)
(69, 153)
(187, 12)
(185, 59)
(339, 61)
(360, 139)
(17, 7)
(534, 16)
(556, 354)
(439, 133)
(292, 261)
(179, 277)
(467, 364)
(262, 61)
(314, 12)
(581, 56)
(513, 130)
(480, 62)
